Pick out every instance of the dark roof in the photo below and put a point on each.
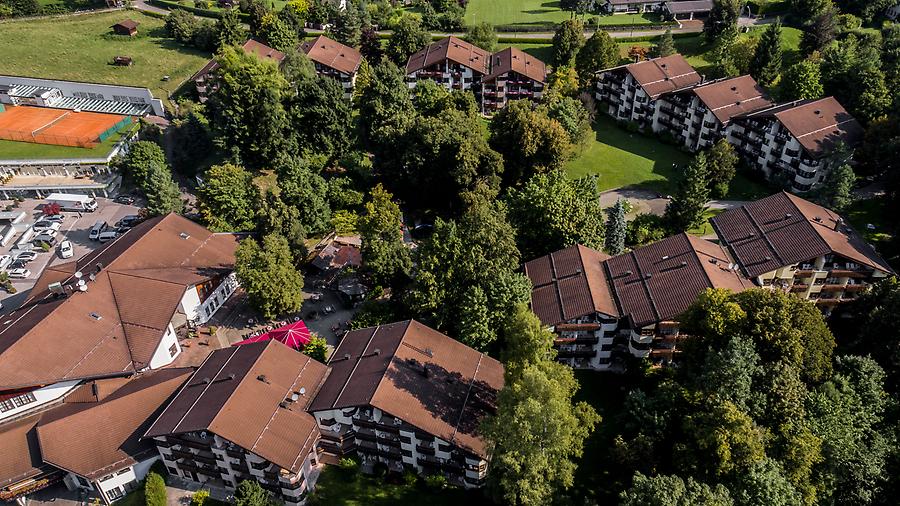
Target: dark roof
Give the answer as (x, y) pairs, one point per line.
(244, 394)
(453, 49)
(96, 439)
(662, 75)
(418, 375)
(139, 280)
(783, 229)
(658, 282)
(514, 59)
(128, 24)
(568, 284)
(689, 6)
(732, 97)
(332, 54)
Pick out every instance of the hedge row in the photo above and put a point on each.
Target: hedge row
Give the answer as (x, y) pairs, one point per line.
(551, 27)
(169, 4)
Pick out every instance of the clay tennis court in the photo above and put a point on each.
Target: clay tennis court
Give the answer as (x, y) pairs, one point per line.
(62, 127)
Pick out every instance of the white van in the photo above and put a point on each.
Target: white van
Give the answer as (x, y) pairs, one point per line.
(97, 229)
(107, 235)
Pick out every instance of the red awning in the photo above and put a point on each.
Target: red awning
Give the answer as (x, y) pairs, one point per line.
(295, 335)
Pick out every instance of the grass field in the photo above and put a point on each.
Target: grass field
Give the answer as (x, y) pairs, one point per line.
(12, 150)
(625, 159)
(537, 12)
(339, 488)
(80, 48)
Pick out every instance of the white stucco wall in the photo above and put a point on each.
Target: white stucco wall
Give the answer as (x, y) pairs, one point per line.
(43, 395)
(162, 357)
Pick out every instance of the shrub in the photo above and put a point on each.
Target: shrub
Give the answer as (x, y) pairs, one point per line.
(436, 481)
(155, 490)
(349, 465)
(199, 497)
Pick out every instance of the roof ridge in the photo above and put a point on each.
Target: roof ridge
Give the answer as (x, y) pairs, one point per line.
(697, 256)
(643, 280)
(462, 408)
(205, 388)
(808, 223)
(358, 360)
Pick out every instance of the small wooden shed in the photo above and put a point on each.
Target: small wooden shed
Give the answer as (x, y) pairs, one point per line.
(126, 27)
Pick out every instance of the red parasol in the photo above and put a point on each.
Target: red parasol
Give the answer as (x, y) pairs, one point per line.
(295, 335)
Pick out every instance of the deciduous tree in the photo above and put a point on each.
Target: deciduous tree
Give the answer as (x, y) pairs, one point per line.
(537, 434)
(250, 493)
(529, 141)
(317, 348)
(409, 36)
(163, 196)
(321, 117)
(385, 257)
(837, 193)
(598, 53)
(228, 199)
(802, 81)
(267, 273)
(551, 212)
(722, 18)
(672, 490)
(303, 187)
(482, 35)
(229, 29)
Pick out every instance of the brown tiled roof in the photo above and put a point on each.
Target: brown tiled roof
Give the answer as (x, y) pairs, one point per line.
(142, 277)
(453, 49)
(96, 390)
(731, 97)
(513, 59)
(242, 394)
(662, 75)
(95, 439)
(263, 51)
(783, 229)
(129, 24)
(819, 124)
(568, 284)
(659, 281)
(417, 374)
(332, 54)
(21, 453)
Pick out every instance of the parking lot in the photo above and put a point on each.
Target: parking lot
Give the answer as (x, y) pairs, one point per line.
(75, 229)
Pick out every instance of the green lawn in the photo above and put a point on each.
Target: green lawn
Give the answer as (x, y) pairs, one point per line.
(80, 48)
(875, 212)
(538, 12)
(13, 150)
(336, 487)
(625, 159)
(622, 158)
(706, 228)
(543, 52)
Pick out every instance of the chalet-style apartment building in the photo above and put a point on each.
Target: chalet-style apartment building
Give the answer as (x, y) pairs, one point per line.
(666, 96)
(88, 346)
(401, 394)
(242, 416)
(795, 139)
(599, 305)
(335, 60)
(494, 79)
(409, 397)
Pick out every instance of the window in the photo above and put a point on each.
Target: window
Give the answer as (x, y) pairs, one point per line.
(172, 470)
(17, 402)
(115, 493)
(82, 482)
(123, 471)
(173, 350)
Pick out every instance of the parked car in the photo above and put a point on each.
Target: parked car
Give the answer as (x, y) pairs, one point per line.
(5, 260)
(129, 221)
(19, 273)
(18, 264)
(97, 229)
(44, 225)
(107, 235)
(124, 199)
(65, 249)
(26, 256)
(47, 239)
(54, 217)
